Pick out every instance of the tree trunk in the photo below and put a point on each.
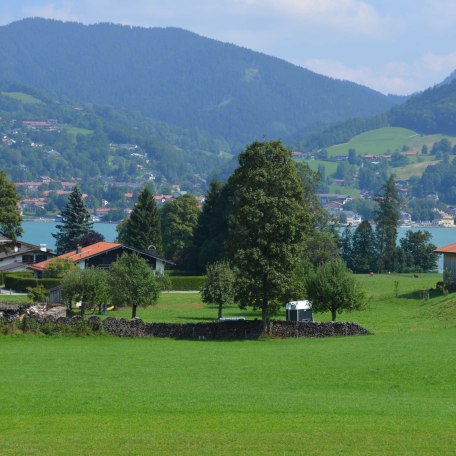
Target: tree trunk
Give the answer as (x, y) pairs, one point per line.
(333, 313)
(82, 309)
(133, 312)
(220, 311)
(265, 316)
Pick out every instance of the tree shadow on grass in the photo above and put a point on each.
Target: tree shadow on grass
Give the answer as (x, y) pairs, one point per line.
(422, 294)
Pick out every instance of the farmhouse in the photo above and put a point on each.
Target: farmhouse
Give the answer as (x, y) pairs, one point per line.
(449, 259)
(102, 255)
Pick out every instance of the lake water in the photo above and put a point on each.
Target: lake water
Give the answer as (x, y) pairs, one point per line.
(41, 233)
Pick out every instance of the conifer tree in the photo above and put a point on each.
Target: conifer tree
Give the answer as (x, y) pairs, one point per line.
(387, 220)
(364, 254)
(75, 223)
(141, 229)
(10, 216)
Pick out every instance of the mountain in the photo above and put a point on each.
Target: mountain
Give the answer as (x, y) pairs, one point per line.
(178, 77)
(46, 134)
(431, 111)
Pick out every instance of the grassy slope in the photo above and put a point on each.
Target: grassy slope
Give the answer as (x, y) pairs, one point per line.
(23, 97)
(381, 140)
(392, 393)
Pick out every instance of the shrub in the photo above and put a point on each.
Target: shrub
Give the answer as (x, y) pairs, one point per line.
(188, 283)
(20, 283)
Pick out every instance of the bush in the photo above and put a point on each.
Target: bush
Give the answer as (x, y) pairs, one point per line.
(188, 283)
(19, 282)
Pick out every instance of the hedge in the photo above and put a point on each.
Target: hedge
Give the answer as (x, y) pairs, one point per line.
(19, 283)
(188, 283)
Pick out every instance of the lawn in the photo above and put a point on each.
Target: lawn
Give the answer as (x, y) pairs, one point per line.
(392, 393)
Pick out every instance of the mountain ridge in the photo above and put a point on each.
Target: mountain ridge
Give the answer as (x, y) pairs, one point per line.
(181, 78)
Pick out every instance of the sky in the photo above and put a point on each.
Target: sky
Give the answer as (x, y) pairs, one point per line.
(393, 46)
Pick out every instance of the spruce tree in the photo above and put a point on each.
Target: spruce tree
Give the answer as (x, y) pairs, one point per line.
(10, 216)
(387, 220)
(75, 223)
(364, 254)
(212, 229)
(141, 229)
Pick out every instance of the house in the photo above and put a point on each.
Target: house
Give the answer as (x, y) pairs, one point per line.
(353, 219)
(19, 255)
(449, 259)
(102, 255)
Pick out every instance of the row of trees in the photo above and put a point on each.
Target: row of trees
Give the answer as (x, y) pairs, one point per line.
(366, 250)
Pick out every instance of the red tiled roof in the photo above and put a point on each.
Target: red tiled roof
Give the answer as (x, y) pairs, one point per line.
(450, 248)
(85, 252)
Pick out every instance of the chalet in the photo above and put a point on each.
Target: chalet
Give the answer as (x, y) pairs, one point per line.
(353, 219)
(19, 255)
(102, 255)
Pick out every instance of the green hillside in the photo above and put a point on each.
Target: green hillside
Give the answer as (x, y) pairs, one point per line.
(376, 142)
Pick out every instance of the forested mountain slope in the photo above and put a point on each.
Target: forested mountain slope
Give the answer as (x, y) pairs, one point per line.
(178, 77)
(431, 111)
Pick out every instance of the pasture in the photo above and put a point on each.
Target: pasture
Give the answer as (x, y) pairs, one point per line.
(391, 393)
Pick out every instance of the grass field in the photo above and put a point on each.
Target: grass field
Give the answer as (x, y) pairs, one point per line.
(388, 394)
(376, 142)
(23, 97)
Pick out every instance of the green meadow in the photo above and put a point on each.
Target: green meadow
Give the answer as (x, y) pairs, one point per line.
(23, 97)
(392, 393)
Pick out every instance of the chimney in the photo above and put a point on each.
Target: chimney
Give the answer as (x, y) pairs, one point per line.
(78, 249)
(151, 250)
(43, 247)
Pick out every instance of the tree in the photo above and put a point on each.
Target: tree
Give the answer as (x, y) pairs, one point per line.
(58, 267)
(89, 286)
(219, 286)
(10, 215)
(133, 283)
(419, 251)
(75, 223)
(141, 229)
(179, 220)
(346, 247)
(212, 228)
(267, 227)
(92, 237)
(364, 254)
(387, 219)
(332, 287)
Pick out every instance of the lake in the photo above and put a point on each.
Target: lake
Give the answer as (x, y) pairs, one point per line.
(41, 233)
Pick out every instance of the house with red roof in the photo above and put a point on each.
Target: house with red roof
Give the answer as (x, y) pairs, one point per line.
(449, 259)
(102, 255)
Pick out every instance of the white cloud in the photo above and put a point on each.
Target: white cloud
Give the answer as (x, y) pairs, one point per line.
(396, 77)
(63, 12)
(353, 16)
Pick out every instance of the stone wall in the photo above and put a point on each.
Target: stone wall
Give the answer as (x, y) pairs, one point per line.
(225, 330)
(33, 317)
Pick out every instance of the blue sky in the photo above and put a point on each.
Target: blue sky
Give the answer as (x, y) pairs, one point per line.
(394, 46)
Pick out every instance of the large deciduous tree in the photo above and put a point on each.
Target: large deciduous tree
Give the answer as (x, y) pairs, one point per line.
(75, 223)
(267, 227)
(141, 229)
(418, 251)
(332, 287)
(10, 216)
(387, 219)
(179, 219)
